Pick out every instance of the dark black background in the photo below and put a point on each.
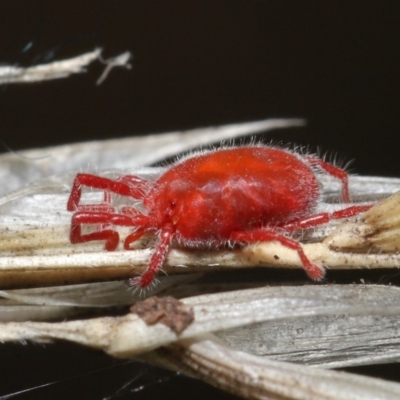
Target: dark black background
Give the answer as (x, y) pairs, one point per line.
(197, 64)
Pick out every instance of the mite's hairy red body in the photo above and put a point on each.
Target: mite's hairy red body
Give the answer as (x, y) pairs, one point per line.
(212, 195)
(243, 194)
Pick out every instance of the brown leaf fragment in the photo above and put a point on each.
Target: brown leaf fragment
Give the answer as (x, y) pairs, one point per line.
(169, 311)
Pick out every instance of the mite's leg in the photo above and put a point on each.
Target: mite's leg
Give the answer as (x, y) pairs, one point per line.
(322, 218)
(133, 237)
(313, 271)
(127, 185)
(157, 259)
(110, 236)
(335, 172)
(141, 186)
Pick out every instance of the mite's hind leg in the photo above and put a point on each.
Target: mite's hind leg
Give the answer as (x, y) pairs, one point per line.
(322, 218)
(336, 172)
(313, 271)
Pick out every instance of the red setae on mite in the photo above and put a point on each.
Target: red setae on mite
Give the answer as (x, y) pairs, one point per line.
(236, 195)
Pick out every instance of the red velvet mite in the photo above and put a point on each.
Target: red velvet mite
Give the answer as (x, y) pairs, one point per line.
(233, 195)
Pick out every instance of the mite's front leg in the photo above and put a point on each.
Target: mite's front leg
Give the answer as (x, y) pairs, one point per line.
(127, 185)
